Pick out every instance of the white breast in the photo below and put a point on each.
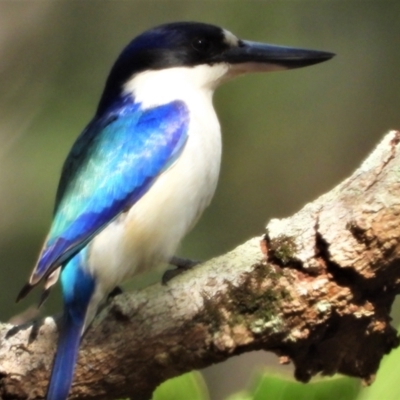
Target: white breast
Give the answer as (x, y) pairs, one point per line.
(152, 229)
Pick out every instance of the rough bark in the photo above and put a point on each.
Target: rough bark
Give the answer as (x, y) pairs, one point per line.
(316, 289)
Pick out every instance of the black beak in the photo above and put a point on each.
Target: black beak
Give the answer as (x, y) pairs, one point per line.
(253, 56)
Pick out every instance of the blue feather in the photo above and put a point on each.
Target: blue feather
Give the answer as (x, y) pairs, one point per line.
(112, 164)
(78, 287)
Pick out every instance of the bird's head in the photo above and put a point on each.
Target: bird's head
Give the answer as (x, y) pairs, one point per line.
(215, 54)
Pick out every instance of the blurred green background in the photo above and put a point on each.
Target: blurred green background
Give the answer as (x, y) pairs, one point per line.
(288, 136)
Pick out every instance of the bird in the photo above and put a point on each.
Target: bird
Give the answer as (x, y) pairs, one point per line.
(141, 173)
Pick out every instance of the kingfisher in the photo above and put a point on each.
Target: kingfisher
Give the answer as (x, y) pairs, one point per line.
(143, 170)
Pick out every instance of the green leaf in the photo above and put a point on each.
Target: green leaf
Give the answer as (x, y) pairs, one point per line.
(278, 387)
(188, 386)
(386, 385)
(243, 395)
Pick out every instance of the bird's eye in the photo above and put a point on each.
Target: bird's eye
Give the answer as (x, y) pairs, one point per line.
(201, 45)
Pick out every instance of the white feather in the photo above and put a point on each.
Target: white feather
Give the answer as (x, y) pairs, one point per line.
(152, 229)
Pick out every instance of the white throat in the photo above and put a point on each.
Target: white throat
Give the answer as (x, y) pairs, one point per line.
(152, 88)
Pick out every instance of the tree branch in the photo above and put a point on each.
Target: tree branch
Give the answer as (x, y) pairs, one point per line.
(317, 290)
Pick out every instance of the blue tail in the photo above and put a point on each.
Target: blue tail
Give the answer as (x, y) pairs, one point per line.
(77, 287)
(64, 363)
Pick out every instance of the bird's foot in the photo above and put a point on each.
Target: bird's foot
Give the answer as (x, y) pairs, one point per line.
(115, 292)
(35, 326)
(181, 264)
(184, 263)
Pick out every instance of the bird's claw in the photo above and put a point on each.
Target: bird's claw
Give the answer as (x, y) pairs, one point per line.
(34, 325)
(181, 264)
(115, 292)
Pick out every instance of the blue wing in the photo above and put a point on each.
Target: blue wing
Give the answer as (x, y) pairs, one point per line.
(112, 164)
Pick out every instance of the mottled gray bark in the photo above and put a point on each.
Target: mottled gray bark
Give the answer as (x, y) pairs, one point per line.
(316, 289)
